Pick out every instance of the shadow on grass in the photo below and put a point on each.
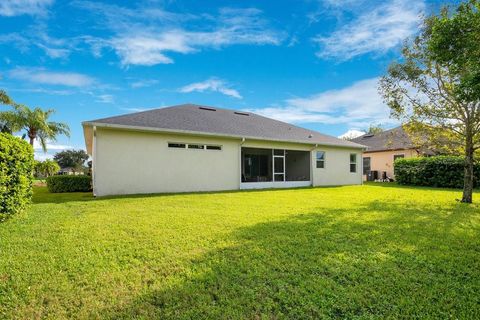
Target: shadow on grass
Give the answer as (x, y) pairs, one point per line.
(42, 195)
(396, 185)
(375, 261)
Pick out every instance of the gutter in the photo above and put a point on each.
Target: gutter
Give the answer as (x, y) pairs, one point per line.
(190, 132)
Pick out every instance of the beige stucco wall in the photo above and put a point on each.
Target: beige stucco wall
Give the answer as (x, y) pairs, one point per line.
(133, 162)
(130, 162)
(383, 160)
(337, 167)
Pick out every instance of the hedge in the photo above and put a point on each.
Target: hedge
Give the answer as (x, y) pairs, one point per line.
(440, 171)
(67, 183)
(16, 175)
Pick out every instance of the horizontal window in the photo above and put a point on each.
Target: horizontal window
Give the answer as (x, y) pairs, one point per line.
(214, 147)
(320, 159)
(177, 145)
(196, 146)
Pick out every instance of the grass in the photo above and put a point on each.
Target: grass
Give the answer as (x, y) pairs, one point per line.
(373, 251)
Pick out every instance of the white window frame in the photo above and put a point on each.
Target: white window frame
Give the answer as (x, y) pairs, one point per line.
(355, 163)
(324, 159)
(273, 165)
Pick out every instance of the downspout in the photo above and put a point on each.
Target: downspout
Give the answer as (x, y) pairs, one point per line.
(311, 163)
(240, 163)
(94, 160)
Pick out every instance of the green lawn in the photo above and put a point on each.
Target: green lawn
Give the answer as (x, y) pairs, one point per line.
(373, 251)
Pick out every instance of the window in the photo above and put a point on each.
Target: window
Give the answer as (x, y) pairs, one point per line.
(177, 145)
(196, 146)
(320, 159)
(214, 147)
(366, 165)
(353, 162)
(398, 156)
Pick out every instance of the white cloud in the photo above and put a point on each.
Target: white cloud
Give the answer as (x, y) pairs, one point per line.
(10, 8)
(51, 146)
(351, 134)
(40, 75)
(143, 83)
(152, 40)
(357, 106)
(212, 84)
(376, 30)
(105, 98)
(133, 109)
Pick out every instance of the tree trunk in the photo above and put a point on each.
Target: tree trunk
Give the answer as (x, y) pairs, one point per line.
(468, 178)
(31, 135)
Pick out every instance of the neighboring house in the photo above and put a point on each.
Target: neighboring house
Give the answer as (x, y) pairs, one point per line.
(196, 148)
(382, 150)
(69, 171)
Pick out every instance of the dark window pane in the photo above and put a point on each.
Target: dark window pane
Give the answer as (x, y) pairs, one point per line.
(195, 146)
(320, 164)
(353, 167)
(214, 147)
(176, 145)
(279, 177)
(279, 152)
(398, 156)
(278, 164)
(353, 158)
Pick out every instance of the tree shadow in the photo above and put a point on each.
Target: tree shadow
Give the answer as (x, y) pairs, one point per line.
(42, 195)
(401, 186)
(376, 261)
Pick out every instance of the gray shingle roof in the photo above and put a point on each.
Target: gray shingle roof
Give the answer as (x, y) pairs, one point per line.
(222, 122)
(393, 139)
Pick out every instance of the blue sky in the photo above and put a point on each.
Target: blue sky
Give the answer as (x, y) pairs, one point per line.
(312, 63)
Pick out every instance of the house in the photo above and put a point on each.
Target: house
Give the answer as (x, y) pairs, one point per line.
(383, 149)
(70, 171)
(189, 148)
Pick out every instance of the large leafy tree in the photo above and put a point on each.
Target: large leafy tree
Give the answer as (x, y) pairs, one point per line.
(74, 159)
(435, 88)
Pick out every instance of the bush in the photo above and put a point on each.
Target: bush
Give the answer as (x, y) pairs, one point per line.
(441, 171)
(66, 183)
(16, 175)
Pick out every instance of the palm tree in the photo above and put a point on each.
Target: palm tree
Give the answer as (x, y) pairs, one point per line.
(36, 123)
(5, 99)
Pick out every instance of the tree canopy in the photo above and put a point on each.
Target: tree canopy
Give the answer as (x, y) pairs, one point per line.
(74, 159)
(435, 87)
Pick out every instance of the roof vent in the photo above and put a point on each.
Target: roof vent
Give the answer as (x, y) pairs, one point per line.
(368, 135)
(310, 136)
(241, 113)
(207, 108)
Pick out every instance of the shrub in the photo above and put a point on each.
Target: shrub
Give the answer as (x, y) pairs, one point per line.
(441, 171)
(16, 175)
(66, 183)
